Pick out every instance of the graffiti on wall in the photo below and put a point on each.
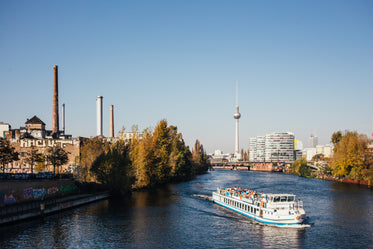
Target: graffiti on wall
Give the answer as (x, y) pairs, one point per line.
(67, 188)
(9, 199)
(27, 193)
(52, 191)
(39, 194)
(43, 143)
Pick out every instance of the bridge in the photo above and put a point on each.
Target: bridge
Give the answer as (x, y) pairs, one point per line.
(256, 166)
(246, 165)
(312, 166)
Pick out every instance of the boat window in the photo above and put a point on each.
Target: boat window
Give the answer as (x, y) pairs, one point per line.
(283, 198)
(276, 199)
(290, 198)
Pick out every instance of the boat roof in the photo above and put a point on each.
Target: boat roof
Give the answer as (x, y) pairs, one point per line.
(280, 195)
(268, 194)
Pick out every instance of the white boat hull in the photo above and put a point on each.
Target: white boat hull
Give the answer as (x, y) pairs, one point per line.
(260, 214)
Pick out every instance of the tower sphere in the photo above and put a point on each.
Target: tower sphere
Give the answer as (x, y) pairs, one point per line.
(237, 114)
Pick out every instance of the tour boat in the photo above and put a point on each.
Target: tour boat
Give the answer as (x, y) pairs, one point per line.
(274, 209)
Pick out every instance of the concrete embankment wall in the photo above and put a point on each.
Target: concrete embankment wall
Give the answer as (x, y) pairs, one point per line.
(26, 210)
(18, 191)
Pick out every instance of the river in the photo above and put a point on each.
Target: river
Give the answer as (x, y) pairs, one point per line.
(181, 216)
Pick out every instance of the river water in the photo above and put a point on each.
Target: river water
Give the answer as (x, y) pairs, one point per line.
(181, 216)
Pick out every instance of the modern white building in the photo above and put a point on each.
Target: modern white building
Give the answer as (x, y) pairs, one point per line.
(252, 149)
(272, 147)
(326, 150)
(308, 153)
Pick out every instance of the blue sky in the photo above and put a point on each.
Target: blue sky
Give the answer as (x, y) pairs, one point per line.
(302, 66)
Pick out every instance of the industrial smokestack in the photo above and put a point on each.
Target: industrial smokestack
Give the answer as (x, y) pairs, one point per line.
(55, 128)
(99, 115)
(63, 118)
(111, 121)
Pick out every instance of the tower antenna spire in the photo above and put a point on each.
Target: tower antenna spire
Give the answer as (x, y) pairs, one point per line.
(236, 92)
(237, 116)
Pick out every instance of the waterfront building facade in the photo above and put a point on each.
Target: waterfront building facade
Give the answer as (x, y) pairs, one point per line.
(274, 147)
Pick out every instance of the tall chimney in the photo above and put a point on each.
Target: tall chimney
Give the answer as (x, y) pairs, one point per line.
(63, 118)
(111, 121)
(55, 128)
(99, 115)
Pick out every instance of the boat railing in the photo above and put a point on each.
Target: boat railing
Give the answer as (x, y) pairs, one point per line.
(300, 204)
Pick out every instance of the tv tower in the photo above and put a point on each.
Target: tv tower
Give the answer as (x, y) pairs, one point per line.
(237, 116)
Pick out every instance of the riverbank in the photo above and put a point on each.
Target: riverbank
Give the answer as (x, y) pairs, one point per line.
(40, 208)
(346, 180)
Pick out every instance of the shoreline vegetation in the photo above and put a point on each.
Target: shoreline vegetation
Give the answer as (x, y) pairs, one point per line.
(158, 158)
(351, 162)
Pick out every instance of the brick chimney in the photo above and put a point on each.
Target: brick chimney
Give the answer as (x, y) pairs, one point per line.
(55, 121)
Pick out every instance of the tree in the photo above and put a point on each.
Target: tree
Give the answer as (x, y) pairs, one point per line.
(90, 150)
(161, 156)
(56, 156)
(33, 157)
(113, 168)
(299, 167)
(199, 159)
(7, 153)
(162, 150)
(318, 157)
(336, 137)
(351, 157)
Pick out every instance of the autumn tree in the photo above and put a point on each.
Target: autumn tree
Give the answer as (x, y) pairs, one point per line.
(336, 137)
(244, 155)
(7, 153)
(199, 159)
(33, 157)
(161, 156)
(56, 156)
(299, 167)
(351, 157)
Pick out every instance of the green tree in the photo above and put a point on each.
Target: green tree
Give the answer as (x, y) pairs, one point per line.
(33, 157)
(162, 150)
(90, 150)
(113, 168)
(56, 156)
(7, 153)
(181, 166)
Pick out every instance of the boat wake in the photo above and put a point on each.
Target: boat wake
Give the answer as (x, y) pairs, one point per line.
(203, 197)
(292, 226)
